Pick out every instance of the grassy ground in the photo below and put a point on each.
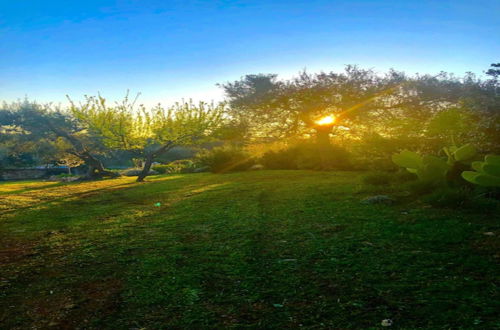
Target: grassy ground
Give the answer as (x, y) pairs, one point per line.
(270, 249)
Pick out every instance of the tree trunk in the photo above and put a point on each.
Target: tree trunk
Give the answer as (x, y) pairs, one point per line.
(323, 144)
(151, 157)
(145, 169)
(323, 135)
(96, 168)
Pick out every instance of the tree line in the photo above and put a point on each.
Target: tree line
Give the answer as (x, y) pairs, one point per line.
(375, 115)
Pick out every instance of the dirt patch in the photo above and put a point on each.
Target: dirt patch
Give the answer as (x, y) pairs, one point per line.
(12, 251)
(78, 308)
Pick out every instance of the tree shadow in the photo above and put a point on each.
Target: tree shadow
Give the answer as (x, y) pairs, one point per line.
(20, 191)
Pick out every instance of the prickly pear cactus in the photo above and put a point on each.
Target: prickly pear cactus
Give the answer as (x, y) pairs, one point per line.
(408, 159)
(485, 173)
(464, 154)
(427, 168)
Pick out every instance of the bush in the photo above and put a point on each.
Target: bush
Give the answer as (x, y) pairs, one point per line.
(402, 176)
(224, 159)
(66, 175)
(182, 166)
(177, 166)
(162, 168)
(136, 172)
(284, 159)
(307, 156)
(378, 178)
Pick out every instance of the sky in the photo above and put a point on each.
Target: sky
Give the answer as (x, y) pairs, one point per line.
(168, 50)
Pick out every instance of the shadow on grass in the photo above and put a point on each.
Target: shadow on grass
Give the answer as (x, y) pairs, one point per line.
(248, 250)
(20, 191)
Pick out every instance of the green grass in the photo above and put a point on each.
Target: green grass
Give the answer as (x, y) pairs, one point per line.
(268, 249)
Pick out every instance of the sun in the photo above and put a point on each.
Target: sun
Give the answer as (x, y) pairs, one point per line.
(327, 120)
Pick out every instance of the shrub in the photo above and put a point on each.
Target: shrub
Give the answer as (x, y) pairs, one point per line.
(307, 156)
(177, 166)
(162, 168)
(402, 176)
(364, 163)
(485, 173)
(136, 172)
(182, 166)
(224, 159)
(284, 159)
(66, 175)
(378, 178)
(433, 169)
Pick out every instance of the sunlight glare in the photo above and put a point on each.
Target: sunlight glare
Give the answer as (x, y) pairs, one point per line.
(327, 120)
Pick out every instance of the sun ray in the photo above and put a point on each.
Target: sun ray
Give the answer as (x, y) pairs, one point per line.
(326, 120)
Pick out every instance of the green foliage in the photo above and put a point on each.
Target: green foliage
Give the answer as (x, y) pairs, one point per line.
(136, 172)
(378, 178)
(403, 176)
(284, 159)
(161, 169)
(307, 156)
(182, 166)
(464, 154)
(440, 180)
(66, 175)
(408, 159)
(125, 126)
(149, 134)
(177, 166)
(225, 159)
(377, 115)
(451, 125)
(486, 173)
(427, 168)
(62, 133)
(373, 150)
(434, 169)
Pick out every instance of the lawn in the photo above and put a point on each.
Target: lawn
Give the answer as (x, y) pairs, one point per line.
(266, 249)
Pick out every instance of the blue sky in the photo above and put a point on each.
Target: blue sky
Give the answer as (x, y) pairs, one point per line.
(169, 50)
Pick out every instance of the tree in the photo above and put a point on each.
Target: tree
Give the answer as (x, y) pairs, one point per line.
(148, 134)
(41, 122)
(494, 71)
(392, 105)
(290, 107)
(64, 156)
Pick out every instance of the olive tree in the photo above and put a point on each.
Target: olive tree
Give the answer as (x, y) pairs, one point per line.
(393, 105)
(148, 133)
(308, 102)
(36, 123)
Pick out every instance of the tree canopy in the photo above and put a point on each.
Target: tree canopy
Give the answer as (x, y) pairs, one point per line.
(148, 134)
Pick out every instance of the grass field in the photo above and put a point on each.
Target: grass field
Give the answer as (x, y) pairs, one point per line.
(268, 249)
